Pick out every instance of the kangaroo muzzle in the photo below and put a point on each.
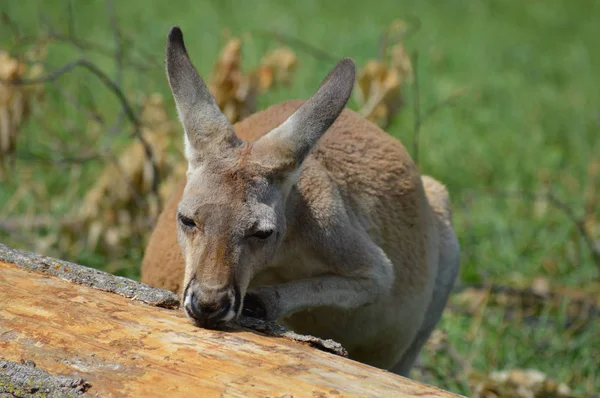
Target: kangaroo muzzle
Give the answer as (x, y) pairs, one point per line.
(209, 308)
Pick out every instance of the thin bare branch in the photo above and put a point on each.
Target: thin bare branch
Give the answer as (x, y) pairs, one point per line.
(16, 224)
(148, 58)
(450, 100)
(416, 108)
(12, 25)
(90, 114)
(118, 41)
(86, 45)
(386, 39)
(529, 297)
(558, 204)
(421, 118)
(70, 19)
(118, 55)
(383, 45)
(301, 44)
(118, 93)
(136, 196)
(15, 234)
(63, 160)
(579, 224)
(84, 63)
(414, 25)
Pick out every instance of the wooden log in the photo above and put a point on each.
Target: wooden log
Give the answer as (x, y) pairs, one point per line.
(90, 333)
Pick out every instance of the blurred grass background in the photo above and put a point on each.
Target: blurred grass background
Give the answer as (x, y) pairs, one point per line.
(519, 151)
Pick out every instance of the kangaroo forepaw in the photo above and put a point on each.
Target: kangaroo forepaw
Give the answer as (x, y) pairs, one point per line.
(254, 307)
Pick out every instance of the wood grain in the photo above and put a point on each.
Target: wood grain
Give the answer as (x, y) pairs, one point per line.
(124, 347)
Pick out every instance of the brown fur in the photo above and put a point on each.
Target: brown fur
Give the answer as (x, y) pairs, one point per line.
(163, 264)
(369, 152)
(306, 213)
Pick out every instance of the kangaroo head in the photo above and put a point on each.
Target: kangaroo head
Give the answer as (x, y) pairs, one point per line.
(232, 215)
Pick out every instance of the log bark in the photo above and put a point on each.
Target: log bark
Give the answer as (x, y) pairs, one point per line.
(70, 330)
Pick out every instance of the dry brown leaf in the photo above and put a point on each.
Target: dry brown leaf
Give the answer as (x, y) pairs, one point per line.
(518, 383)
(541, 286)
(471, 299)
(122, 205)
(436, 340)
(15, 103)
(379, 92)
(541, 296)
(235, 91)
(398, 28)
(276, 67)
(380, 82)
(402, 63)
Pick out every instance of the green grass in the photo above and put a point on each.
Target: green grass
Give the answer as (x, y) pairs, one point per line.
(529, 121)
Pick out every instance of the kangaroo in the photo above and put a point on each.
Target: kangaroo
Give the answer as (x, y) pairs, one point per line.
(304, 213)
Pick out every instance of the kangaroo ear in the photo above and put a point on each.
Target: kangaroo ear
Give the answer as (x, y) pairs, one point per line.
(293, 140)
(204, 123)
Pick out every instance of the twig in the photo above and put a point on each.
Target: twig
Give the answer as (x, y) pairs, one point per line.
(92, 68)
(294, 41)
(40, 222)
(136, 196)
(80, 44)
(438, 343)
(559, 205)
(529, 297)
(414, 26)
(118, 55)
(416, 108)
(95, 155)
(118, 41)
(62, 160)
(445, 102)
(92, 115)
(383, 45)
(16, 235)
(386, 39)
(579, 223)
(13, 225)
(86, 45)
(71, 23)
(147, 57)
(421, 118)
(12, 25)
(118, 93)
(372, 103)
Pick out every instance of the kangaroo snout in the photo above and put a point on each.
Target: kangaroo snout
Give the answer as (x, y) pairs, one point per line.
(210, 308)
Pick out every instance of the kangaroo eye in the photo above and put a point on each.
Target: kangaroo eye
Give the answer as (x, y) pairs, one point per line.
(263, 234)
(188, 222)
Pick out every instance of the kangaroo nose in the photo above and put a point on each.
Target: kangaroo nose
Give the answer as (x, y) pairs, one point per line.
(208, 313)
